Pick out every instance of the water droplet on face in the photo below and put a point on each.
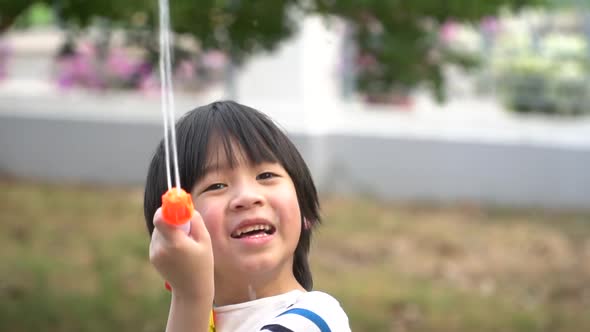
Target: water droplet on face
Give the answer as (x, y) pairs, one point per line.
(251, 293)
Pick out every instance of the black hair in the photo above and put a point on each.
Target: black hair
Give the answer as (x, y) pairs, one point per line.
(260, 140)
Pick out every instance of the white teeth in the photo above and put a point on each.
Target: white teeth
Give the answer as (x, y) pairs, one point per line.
(252, 228)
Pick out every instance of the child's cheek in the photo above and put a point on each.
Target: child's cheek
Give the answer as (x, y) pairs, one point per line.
(213, 219)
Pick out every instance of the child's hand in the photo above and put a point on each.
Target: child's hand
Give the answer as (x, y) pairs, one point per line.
(185, 261)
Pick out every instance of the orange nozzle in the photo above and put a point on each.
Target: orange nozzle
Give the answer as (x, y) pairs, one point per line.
(177, 206)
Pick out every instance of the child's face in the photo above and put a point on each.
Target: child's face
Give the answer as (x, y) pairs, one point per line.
(253, 217)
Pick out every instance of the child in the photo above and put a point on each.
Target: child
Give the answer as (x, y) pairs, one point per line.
(256, 206)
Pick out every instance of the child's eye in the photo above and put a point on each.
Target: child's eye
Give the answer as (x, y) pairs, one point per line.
(266, 176)
(215, 186)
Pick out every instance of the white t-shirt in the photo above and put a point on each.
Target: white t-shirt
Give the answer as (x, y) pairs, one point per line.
(295, 311)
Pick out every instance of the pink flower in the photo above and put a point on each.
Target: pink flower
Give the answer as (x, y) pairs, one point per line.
(448, 31)
(149, 85)
(490, 25)
(66, 72)
(186, 70)
(78, 70)
(121, 65)
(84, 68)
(214, 60)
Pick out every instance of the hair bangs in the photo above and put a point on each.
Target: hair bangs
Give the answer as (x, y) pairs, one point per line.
(240, 136)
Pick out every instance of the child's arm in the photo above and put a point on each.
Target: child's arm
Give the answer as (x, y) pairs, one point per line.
(188, 315)
(186, 262)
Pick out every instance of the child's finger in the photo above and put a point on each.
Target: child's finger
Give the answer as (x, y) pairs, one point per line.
(198, 231)
(167, 231)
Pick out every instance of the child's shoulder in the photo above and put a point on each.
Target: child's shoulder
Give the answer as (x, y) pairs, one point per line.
(317, 311)
(317, 299)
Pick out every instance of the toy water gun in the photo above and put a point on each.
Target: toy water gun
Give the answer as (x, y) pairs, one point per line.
(177, 210)
(177, 205)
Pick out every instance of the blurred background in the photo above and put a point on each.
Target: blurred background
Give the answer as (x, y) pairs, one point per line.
(450, 142)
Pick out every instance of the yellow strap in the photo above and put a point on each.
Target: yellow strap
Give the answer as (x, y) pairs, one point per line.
(212, 322)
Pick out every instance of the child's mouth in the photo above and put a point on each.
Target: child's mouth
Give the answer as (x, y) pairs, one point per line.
(253, 231)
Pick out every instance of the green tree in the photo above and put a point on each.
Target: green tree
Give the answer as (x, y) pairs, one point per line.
(399, 37)
(10, 10)
(238, 26)
(247, 26)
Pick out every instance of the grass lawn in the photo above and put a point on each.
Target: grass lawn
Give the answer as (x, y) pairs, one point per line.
(74, 258)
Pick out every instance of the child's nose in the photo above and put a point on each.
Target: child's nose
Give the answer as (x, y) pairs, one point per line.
(246, 197)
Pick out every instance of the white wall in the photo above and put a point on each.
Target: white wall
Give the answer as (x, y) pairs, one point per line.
(55, 148)
(466, 151)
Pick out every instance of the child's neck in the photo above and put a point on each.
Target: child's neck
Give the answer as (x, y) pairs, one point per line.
(238, 290)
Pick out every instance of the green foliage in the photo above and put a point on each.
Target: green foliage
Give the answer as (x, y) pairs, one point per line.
(38, 14)
(399, 37)
(10, 10)
(81, 267)
(76, 259)
(553, 79)
(239, 27)
(577, 4)
(81, 12)
(402, 38)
